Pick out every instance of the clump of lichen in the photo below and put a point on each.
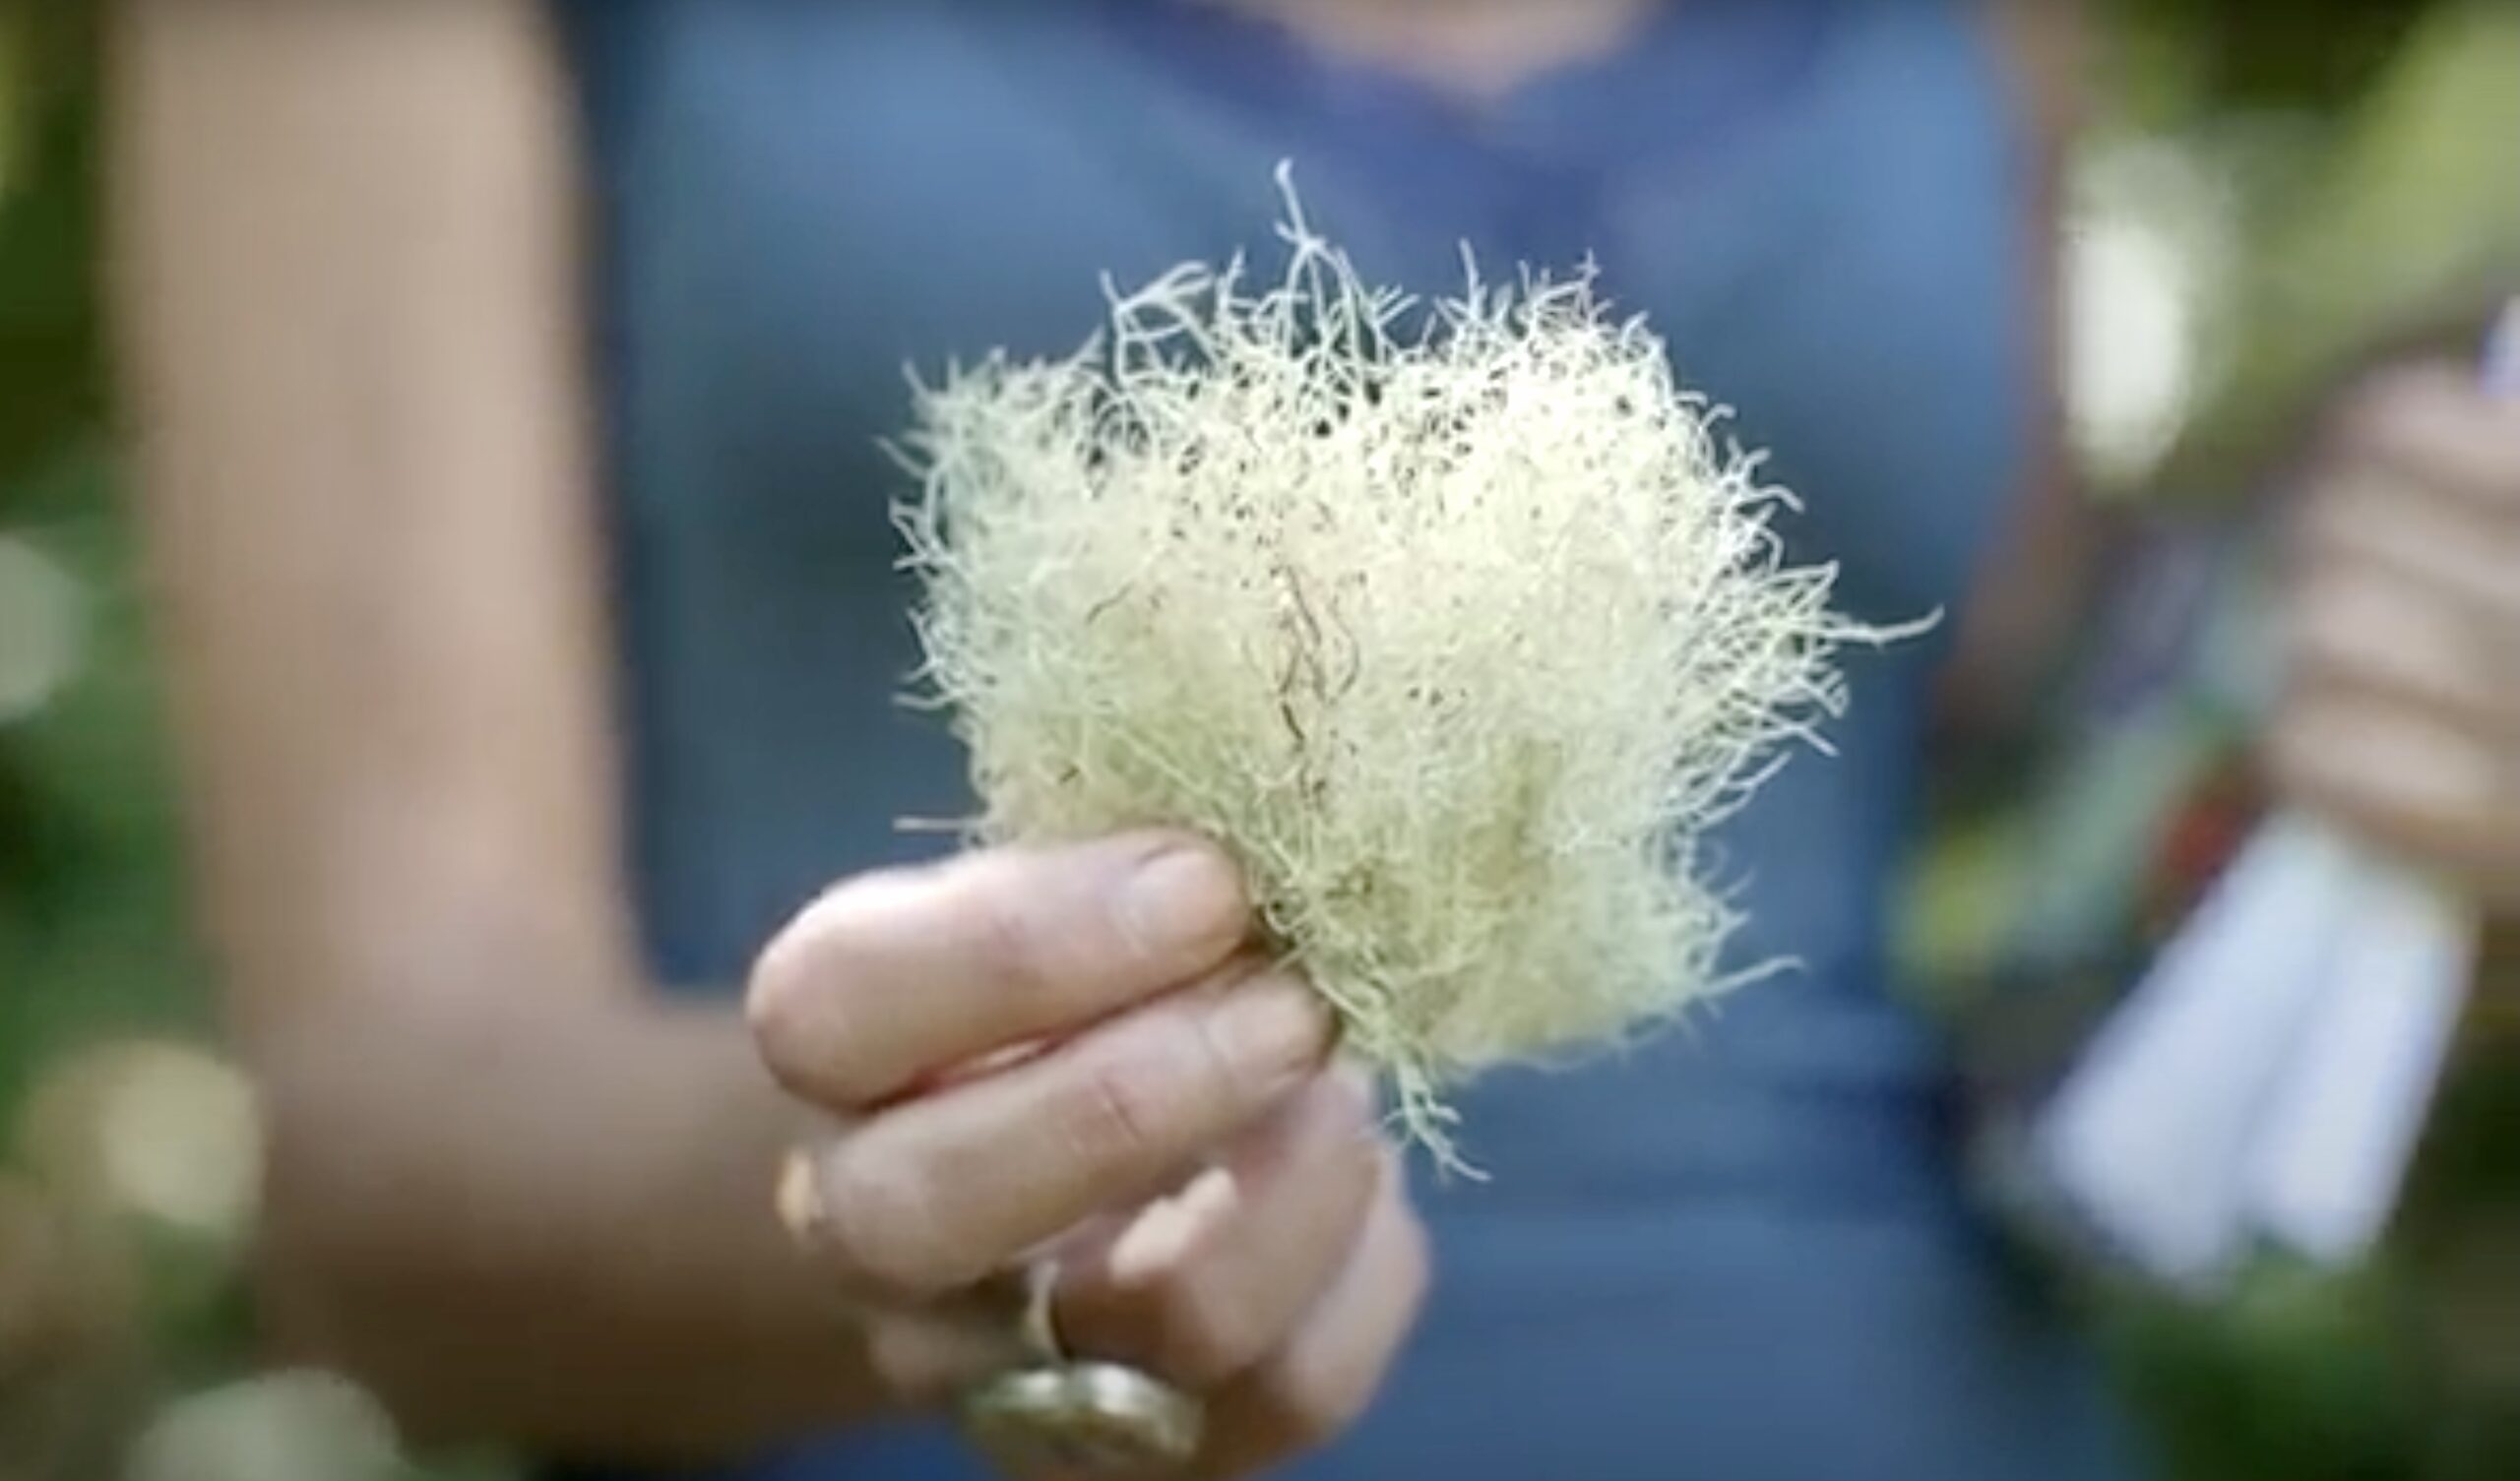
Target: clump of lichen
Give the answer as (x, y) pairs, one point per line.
(1457, 623)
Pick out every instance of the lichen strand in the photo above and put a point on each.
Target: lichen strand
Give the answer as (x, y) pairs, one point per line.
(1457, 623)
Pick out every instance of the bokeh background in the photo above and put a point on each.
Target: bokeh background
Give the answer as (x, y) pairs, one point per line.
(2263, 193)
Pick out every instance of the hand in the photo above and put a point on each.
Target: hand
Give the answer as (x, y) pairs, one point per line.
(2400, 716)
(1063, 1054)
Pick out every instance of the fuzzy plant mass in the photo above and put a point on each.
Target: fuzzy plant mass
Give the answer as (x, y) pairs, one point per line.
(1457, 623)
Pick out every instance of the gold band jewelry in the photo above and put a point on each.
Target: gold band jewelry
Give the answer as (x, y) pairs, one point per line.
(1057, 1416)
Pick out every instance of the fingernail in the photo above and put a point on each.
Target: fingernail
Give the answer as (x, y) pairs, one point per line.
(798, 1201)
(1275, 1030)
(1163, 1236)
(1182, 897)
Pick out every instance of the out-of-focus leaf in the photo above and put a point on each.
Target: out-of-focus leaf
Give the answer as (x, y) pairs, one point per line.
(2415, 221)
(51, 367)
(2263, 54)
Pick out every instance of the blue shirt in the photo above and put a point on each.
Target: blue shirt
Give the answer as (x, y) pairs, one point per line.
(1737, 1252)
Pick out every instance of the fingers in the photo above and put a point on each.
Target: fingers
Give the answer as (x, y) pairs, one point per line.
(2401, 712)
(2419, 788)
(896, 976)
(2406, 532)
(1200, 1286)
(2359, 630)
(2434, 427)
(935, 1194)
(1317, 1385)
(1078, 1037)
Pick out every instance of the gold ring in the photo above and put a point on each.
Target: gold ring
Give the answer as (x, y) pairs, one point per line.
(1055, 1416)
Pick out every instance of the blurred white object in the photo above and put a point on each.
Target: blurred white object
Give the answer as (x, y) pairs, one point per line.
(2152, 1140)
(2337, 1147)
(2147, 262)
(2267, 1082)
(287, 1427)
(157, 1131)
(39, 628)
(2339, 1137)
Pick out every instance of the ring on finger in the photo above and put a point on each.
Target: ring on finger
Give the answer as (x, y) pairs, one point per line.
(1056, 1415)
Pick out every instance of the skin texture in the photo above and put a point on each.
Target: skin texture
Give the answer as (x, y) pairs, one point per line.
(511, 1188)
(1133, 1058)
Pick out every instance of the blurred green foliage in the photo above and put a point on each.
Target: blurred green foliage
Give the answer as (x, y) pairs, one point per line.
(52, 384)
(89, 929)
(2388, 193)
(2391, 213)
(92, 939)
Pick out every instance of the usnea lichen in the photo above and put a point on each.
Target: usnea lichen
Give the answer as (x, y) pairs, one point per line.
(1457, 623)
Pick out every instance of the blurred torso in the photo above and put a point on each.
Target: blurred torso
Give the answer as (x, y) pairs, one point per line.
(1735, 1252)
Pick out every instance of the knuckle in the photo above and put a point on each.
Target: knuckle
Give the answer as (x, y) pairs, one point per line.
(1212, 1062)
(1012, 941)
(878, 1220)
(1114, 1112)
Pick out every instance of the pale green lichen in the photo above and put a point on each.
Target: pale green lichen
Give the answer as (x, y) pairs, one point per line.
(1457, 623)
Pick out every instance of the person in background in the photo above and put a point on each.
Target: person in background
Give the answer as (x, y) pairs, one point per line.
(508, 379)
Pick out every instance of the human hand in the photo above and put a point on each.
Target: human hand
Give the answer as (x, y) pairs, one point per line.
(1060, 1055)
(2401, 712)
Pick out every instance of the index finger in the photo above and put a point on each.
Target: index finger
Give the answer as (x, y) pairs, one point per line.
(2436, 426)
(902, 975)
